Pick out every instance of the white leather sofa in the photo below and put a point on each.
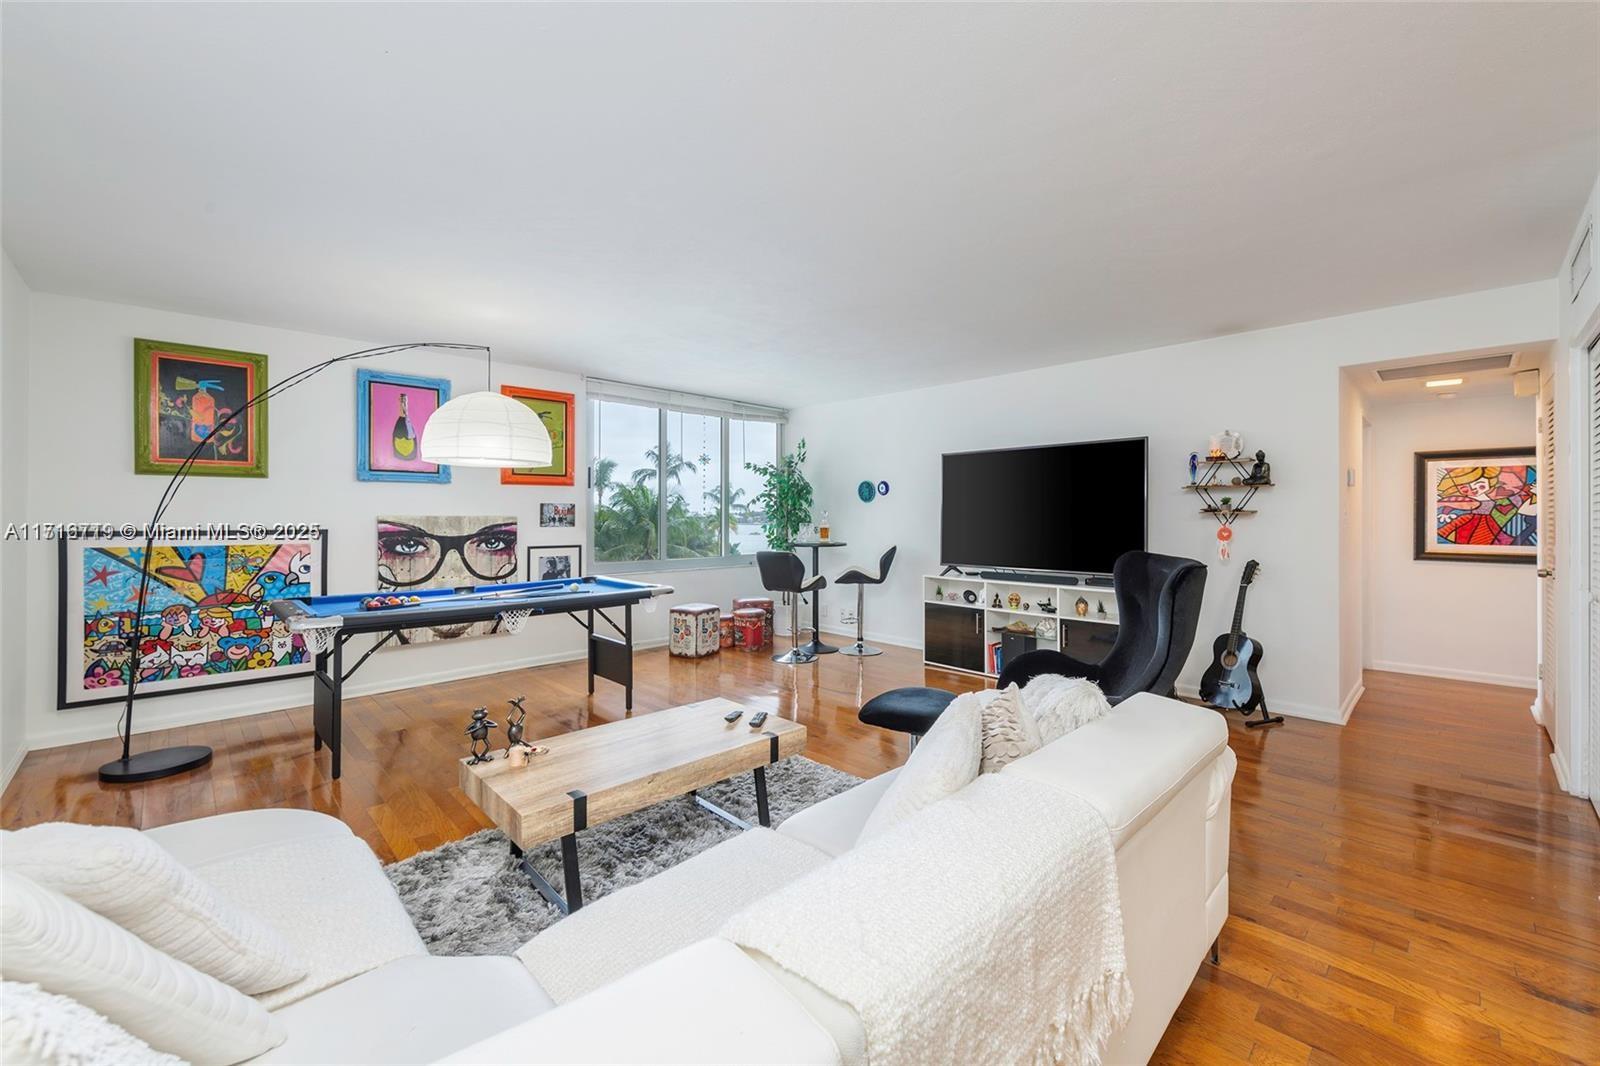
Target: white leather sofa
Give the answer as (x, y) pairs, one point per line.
(1158, 770)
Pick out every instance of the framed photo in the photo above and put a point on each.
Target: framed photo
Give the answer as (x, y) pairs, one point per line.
(391, 410)
(556, 411)
(206, 622)
(555, 562)
(181, 392)
(446, 552)
(559, 515)
(1478, 506)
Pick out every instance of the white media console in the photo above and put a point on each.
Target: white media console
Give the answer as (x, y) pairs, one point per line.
(962, 628)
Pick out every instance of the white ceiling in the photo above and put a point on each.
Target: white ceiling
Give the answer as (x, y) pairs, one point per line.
(791, 203)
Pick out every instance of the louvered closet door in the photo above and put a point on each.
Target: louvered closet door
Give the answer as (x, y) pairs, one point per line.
(1547, 552)
(1593, 776)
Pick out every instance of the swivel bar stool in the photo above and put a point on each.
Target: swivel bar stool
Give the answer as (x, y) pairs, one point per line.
(861, 579)
(784, 572)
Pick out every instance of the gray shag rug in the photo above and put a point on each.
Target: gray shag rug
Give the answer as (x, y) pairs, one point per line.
(470, 897)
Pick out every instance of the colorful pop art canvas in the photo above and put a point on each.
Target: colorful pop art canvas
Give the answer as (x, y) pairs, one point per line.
(557, 411)
(1478, 506)
(181, 393)
(391, 411)
(446, 552)
(206, 621)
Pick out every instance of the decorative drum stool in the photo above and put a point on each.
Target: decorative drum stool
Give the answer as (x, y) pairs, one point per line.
(695, 630)
(725, 631)
(749, 628)
(765, 603)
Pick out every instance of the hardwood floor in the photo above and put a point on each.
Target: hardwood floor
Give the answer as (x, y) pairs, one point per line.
(1410, 888)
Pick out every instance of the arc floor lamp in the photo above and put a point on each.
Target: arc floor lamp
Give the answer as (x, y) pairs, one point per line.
(478, 429)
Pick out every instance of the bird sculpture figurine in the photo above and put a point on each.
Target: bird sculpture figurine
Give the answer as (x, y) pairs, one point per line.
(478, 729)
(515, 726)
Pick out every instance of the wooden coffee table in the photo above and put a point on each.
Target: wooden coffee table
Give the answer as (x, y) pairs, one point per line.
(603, 772)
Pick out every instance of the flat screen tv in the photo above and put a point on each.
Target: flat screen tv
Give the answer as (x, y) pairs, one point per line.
(1060, 507)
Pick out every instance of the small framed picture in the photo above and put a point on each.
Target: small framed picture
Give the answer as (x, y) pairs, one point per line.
(181, 393)
(555, 410)
(391, 410)
(558, 562)
(558, 515)
(1477, 506)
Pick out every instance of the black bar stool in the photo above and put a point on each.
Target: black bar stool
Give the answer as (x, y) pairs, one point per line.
(861, 579)
(784, 572)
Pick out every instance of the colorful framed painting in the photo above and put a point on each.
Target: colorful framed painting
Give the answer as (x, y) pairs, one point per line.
(558, 562)
(206, 622)
(446, 552)
(558, 515)
(181, 392)
(391, 410)
(556, 411)
(1478, 506)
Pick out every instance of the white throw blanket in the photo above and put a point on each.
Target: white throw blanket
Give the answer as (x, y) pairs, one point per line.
(1061, 704)
(984, 928)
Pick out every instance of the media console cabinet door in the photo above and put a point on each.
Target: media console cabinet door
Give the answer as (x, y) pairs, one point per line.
(953, 636)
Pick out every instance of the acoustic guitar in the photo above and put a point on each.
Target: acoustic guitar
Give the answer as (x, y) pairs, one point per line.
(1230, 683)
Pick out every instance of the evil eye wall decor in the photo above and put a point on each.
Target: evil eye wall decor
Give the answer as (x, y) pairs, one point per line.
(866, 491)
(883, 488)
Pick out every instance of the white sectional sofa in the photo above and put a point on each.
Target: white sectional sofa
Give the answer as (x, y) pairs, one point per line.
(640, 976)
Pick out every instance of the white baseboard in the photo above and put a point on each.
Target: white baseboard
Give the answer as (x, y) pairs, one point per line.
(1349, 705)
(152, 723)
(9, 770)
(1560, 767)
(1480, 676)
(1294, 710)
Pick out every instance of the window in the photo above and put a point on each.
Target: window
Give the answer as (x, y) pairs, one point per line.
(662, 466)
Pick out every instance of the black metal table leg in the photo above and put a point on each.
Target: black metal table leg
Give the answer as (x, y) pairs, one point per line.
(763, 814)
(627, 635)
(569, 870)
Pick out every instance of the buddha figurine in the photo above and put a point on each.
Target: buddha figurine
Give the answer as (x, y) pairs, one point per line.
(1260, 470)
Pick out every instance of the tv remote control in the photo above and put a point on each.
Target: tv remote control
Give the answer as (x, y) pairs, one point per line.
(732, 716)
(757, 718)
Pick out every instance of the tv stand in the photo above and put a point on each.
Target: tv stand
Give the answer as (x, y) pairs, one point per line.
(964, 618)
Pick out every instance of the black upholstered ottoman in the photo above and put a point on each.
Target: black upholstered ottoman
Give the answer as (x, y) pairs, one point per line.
(907, 710)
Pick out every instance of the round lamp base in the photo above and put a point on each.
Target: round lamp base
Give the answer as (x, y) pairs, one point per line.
(151, 765)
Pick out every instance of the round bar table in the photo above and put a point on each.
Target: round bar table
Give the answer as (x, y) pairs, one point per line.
(815, 645)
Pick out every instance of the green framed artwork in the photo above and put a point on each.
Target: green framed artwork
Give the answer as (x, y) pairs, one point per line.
(181, 392)
(555, 410)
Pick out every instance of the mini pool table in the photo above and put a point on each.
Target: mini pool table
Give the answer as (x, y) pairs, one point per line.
(327, 622)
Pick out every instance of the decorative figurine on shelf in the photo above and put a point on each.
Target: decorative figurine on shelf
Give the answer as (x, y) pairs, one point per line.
(1082, 607)
(1194, 467)
(1100, 608)
(1046, 606)
(1026, 606)
(515, 725)
(1226, 445)
(1260, 470)
(997, 605)
(478, 729)
(1013, 601)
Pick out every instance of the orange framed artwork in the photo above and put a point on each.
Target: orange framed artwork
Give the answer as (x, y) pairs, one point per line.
(556, 411)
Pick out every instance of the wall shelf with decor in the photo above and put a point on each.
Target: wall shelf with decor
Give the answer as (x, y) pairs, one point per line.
(1226, 484)
(962, 629)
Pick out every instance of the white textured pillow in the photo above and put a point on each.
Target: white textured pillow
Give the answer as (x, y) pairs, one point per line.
(1009, 731)
(138, 884)
(946, 760)
(39, 1028)
(68, 949)
(1061, 704)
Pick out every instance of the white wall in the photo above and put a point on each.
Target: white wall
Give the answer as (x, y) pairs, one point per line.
(1278, 387)
(13, 496)
(81, 358)
(1470, 621)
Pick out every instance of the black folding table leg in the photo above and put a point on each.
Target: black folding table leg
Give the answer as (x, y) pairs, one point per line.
(591, 652)
(763, 814)
(336, 723)
(569, 870)
(627, 635)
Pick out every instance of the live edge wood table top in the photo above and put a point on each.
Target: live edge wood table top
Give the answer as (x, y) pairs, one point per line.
(621, 767)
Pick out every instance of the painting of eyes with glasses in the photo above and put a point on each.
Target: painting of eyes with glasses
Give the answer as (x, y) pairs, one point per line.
(446, 551)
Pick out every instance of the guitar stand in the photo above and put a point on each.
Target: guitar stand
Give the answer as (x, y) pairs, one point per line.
(1259, 703)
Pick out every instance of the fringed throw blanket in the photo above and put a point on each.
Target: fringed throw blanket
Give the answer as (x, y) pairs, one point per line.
(984, 928)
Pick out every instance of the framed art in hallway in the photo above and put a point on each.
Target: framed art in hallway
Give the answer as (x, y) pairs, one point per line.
(557, 562)
(1477, 505)
(391, 410)
(205, 623)
(557, 411)
(180, 393)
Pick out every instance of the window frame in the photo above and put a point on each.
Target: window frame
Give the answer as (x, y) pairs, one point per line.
(663, 409)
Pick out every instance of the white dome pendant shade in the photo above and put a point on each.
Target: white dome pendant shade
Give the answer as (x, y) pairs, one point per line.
(485, 429)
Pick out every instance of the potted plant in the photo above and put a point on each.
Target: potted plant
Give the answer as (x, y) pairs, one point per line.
(784, 499)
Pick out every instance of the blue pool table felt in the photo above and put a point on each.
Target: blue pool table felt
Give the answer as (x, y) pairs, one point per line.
(330, 606)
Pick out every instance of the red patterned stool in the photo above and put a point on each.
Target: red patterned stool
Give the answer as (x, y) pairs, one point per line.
(695, 629)
(749, 628)
(725, 631)
(765, 603)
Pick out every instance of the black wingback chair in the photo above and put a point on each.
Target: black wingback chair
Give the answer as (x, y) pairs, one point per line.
(1158, 608)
